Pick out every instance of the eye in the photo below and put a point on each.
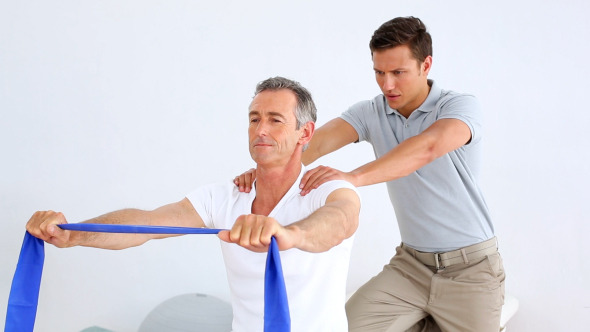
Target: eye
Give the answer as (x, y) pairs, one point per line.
(254, 120)
(378, 72)
(398, 72)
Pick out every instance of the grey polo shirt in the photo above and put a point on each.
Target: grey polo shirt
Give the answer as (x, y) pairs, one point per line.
(439, 207)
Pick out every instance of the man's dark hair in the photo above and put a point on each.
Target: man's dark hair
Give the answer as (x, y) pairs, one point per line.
(408, 31)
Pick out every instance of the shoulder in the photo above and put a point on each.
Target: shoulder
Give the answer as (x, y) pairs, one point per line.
(327, 188)
(452, 100)
(366, 114)
(218, 190)
(464, 107)
(336, 184)
(371, 105)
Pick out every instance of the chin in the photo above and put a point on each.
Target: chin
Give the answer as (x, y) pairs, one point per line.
(394, 106)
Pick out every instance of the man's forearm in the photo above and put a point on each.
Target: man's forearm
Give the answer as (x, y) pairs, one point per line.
(401, 161)
(115, 240)
(330, 225)
(176, 214)
(410, 155)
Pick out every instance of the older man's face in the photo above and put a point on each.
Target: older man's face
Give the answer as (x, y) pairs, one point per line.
(272, 131)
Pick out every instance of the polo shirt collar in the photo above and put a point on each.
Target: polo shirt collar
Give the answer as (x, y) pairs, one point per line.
(428, 105)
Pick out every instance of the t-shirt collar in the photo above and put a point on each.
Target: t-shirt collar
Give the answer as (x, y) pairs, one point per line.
(294, 187)
(294, 190)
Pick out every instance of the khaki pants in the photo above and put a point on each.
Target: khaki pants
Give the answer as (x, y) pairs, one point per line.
(410, 296)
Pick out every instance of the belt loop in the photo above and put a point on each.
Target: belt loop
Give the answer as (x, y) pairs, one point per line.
(438, 262)
(464, 254)
(411, 250)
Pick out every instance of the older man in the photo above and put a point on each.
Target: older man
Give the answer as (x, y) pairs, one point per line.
(314, 231)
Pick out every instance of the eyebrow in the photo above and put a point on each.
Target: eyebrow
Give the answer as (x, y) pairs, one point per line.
(389, 71)
(270, 113)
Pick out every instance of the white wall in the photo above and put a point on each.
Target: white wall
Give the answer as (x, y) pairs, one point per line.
(113, 104)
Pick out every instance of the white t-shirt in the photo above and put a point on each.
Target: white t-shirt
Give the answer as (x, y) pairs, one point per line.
(315, 282)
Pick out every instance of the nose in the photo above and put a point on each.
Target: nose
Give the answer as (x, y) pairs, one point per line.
(388, 82)
(261, 128)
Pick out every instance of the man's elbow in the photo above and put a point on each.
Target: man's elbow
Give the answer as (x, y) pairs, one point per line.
(351, 215)
(351, 226)
(428, 154)
(342, 230)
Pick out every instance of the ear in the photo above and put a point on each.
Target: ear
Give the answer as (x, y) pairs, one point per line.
(426, 65)
(307, 131)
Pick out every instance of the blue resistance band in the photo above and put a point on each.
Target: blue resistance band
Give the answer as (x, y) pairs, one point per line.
(24, 293)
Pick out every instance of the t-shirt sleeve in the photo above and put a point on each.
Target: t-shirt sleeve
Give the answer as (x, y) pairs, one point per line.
(322, 192)
(202, 200)
(465, 108)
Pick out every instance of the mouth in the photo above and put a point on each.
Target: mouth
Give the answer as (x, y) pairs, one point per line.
(262, 144)
(392, 97)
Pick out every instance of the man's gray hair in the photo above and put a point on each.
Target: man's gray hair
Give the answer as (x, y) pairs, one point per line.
(305, 111)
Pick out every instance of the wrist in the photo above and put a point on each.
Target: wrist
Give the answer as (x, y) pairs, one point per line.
(355, 177)
(296, 234)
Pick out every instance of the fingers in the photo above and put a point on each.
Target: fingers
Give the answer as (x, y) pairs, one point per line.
(317, 176)
(244, 181)
(43, 225)
(224, 236)
(252, 232)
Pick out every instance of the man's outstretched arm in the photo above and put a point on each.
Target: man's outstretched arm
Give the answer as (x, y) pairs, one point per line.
(440, 138)
(331, 224)
(327, 227)
(43, 224)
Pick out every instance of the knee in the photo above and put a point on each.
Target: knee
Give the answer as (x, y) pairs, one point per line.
(353, 307)
(350, 304)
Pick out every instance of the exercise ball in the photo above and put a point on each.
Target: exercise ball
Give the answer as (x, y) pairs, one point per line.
(189, 312)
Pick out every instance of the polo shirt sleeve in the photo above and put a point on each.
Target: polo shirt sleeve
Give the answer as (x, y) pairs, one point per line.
(466, 108)
(359, 116)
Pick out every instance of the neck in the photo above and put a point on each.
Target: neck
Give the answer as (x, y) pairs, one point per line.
(419, 101)
(272, 183)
